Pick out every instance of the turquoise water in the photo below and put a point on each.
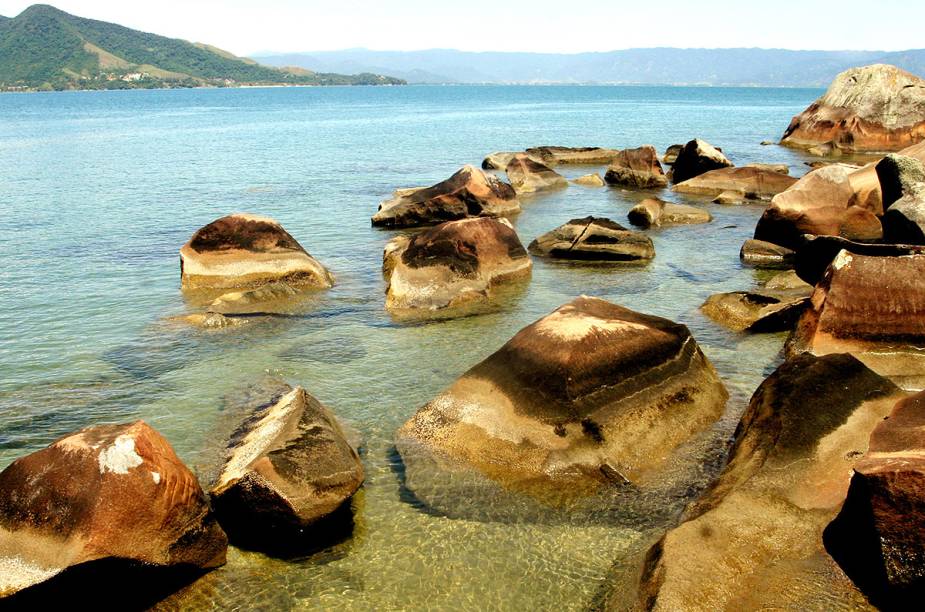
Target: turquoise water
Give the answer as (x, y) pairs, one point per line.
(99, 190)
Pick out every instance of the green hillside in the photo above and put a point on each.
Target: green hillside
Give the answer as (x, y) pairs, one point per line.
(45, 48)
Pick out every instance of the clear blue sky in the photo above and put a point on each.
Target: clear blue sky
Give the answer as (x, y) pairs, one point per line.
(568, 26)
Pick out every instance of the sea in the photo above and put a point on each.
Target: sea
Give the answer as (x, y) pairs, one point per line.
(99, 190)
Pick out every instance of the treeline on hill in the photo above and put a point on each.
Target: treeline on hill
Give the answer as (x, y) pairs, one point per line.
(47, 49)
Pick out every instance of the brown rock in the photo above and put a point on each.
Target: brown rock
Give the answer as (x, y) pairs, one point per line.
(449, 268)
(817, 253)
(593, 396)
(755, 311)
(834, 200)
(468, 193)
(590, 180)
(111, 492)
(779, 168)
(878, 537)
(637, 168)
(873, 108)
(552, 156)
(754, 541)
(593, 239)
(288, 467)
(243, 251)
(210, 320)
(498, 160)
(671, 154)
(654, 212)
(529, 176)
(730, 198)
(269, 298)
(697, 157)
(763, 254)
(755, 183)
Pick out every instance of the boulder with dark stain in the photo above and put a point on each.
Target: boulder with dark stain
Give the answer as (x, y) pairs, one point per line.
(762, 254)
(468, 193)
(871, 108)
(582, 156)
(451, 268)
(762, 310)
(289, 467)
(697, 157)
(754, 540)
(654, 212)
(898, 175)
(111, 493)
(753, 183)
(878, 537)
(245, 251)
(671, 153)
(529, 176)
(816, 254)
(594, 239)
(835, 200)
(589, 397)
(636, 168)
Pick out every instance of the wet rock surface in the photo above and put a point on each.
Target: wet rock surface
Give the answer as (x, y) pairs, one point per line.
(636, 168)
(754, 183)
(594, 239)
(654, 212)
(529, 176)
(696, 158)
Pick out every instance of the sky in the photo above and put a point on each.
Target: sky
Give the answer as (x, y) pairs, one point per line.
(249, 27)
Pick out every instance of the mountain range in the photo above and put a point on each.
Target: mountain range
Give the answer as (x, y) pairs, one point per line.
(655, 66)
(44, 48)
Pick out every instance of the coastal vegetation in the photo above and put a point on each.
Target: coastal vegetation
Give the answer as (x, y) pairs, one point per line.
(44, 48)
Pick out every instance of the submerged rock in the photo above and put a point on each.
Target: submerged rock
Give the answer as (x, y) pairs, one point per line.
(242, 250)
(834, 200)
(452, 266)
(468, 193)
(589, 180)
(288, 468)
(762, 254)
(697, 157)
(756, 311)
(592, 156)
(637, 168)
(654, 212)
(878, 538)
(591, 396)
(594, 239)
(210, 320)
(114, 493)
(731, 197)
(753, 183)
(265, 298)
(529, 176)
(872, 108)
(754, 541)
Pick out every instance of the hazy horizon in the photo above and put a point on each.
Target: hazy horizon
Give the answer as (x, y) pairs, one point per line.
(597, 26)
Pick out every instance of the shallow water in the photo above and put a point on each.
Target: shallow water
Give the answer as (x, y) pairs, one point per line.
(100, 189)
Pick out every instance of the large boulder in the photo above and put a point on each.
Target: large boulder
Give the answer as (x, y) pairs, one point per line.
(594, 239)
(288, 467)
(452, 267)
(244, 251)
(654, 212)
(754, 540)
(590, 397)
(638, 168)
(468, 193)
(114, 493)
(753, 183)
(590, 156)
(898, 175)
(873, 307)
(872, 108)
(878, 537)
(904, 222)
(529, 176)
(835, 200)
(697, 157)
(817, 253)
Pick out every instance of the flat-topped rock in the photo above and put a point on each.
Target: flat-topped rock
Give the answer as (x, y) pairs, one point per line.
(754, 183)
(244, 251)
(453, 266)
(878, 537)
(114, 493)
(590, 156)
(754, 540)
(594, 239)
(871, 108)
(589, 180)
(764, 310)
(468, 193)
(697, 156)
(654, 212)
(590, 396)
(637, 168)
(779, 168)
(835, 200)
(529, 176)
(288, 467)
(762, 254)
